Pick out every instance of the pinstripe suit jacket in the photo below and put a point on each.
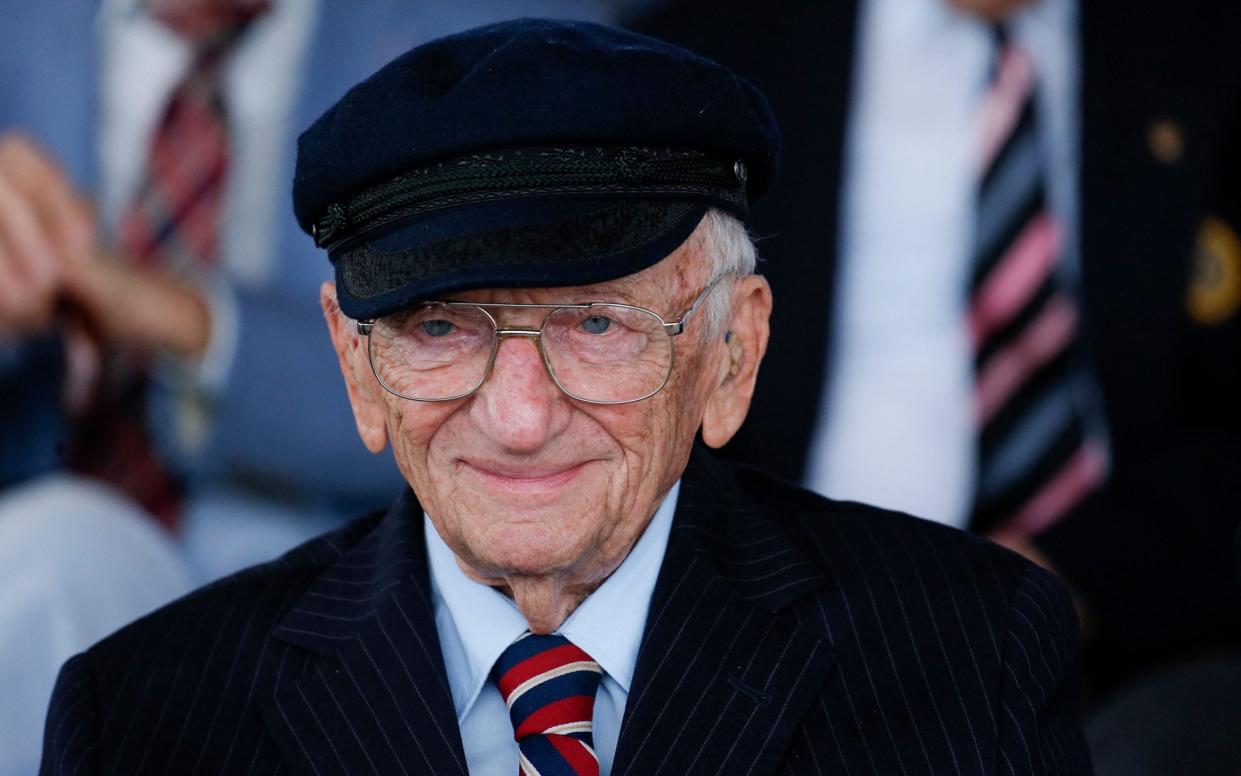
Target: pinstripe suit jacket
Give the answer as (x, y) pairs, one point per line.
(786, 634)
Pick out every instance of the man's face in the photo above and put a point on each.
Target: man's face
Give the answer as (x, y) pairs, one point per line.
(522, 481)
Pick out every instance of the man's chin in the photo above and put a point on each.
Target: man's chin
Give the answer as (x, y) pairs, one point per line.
(534, 555)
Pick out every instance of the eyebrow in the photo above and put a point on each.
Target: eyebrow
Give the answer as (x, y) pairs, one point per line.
(623, 295)
(621, 289)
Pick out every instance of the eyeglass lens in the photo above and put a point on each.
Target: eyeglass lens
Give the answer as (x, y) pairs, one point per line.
(602, 353)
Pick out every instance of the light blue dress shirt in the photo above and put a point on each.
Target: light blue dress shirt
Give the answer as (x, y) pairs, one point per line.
(476, 623)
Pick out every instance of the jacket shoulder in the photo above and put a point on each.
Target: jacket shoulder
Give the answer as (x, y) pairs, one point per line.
(930, 622)
(801, 510)
(859, 545)
(189, 680)
(258, 596)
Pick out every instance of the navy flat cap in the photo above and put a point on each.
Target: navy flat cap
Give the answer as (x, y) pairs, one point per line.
(530, 153)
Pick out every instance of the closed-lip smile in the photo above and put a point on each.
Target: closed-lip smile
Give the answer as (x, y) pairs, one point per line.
(526, 476)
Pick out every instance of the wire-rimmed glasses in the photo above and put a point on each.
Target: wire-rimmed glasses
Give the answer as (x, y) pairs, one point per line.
(596, 352)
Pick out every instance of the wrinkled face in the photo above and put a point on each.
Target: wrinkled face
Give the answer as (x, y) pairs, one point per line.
(522, 481)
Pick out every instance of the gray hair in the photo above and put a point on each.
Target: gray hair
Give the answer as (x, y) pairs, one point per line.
(731, 254)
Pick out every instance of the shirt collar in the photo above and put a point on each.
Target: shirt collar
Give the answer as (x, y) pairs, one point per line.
(476, 622)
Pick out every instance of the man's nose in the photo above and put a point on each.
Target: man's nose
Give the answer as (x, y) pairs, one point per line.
(519, 406)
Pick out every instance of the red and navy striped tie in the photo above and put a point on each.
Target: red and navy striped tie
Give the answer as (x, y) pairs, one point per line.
(549, 686)
(174, 220)
(173, 223)
(1042, 441)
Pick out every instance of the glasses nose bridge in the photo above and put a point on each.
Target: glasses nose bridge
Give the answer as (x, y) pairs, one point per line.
(504, 332)
(512, 331)
(519, 332)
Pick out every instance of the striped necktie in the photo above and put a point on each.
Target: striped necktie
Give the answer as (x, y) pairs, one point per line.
(173, 223)
(1042, 446)
(549, 686)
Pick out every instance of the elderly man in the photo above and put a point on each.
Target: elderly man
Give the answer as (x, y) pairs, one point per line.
(543, 295)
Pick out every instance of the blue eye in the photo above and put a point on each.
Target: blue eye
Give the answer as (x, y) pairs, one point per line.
(596, 324)
(438, 327)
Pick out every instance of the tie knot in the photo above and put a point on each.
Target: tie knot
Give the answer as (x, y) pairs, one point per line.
(1001, 34)
(549, 685)
(210, 25)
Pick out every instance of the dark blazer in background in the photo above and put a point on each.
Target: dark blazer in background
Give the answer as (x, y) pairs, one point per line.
(1161, 153)
(786, 634)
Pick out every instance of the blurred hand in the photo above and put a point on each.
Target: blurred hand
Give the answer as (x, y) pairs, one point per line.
(54, 274)
(46, 232)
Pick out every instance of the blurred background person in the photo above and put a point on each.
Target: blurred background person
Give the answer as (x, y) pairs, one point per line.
(146, 161)
(167, 416)
(1005, 255)
(80, 561)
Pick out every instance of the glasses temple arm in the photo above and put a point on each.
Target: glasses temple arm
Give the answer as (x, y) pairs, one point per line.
(677, 327)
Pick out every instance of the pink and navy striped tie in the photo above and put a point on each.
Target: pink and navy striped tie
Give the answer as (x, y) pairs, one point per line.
(549, 686)
(1042, 443)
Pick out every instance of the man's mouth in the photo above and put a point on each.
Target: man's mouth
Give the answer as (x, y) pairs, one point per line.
(525, 477)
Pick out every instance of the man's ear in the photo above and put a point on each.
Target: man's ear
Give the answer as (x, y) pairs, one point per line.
(745, 343)
(369, 411)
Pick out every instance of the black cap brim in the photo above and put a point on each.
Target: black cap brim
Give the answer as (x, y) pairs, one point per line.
(533, 242)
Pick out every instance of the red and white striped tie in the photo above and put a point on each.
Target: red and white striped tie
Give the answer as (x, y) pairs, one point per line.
(1042, 445)
(549, 686)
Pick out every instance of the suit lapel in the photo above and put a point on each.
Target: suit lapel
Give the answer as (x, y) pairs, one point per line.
(375, 693)
(724, 675)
